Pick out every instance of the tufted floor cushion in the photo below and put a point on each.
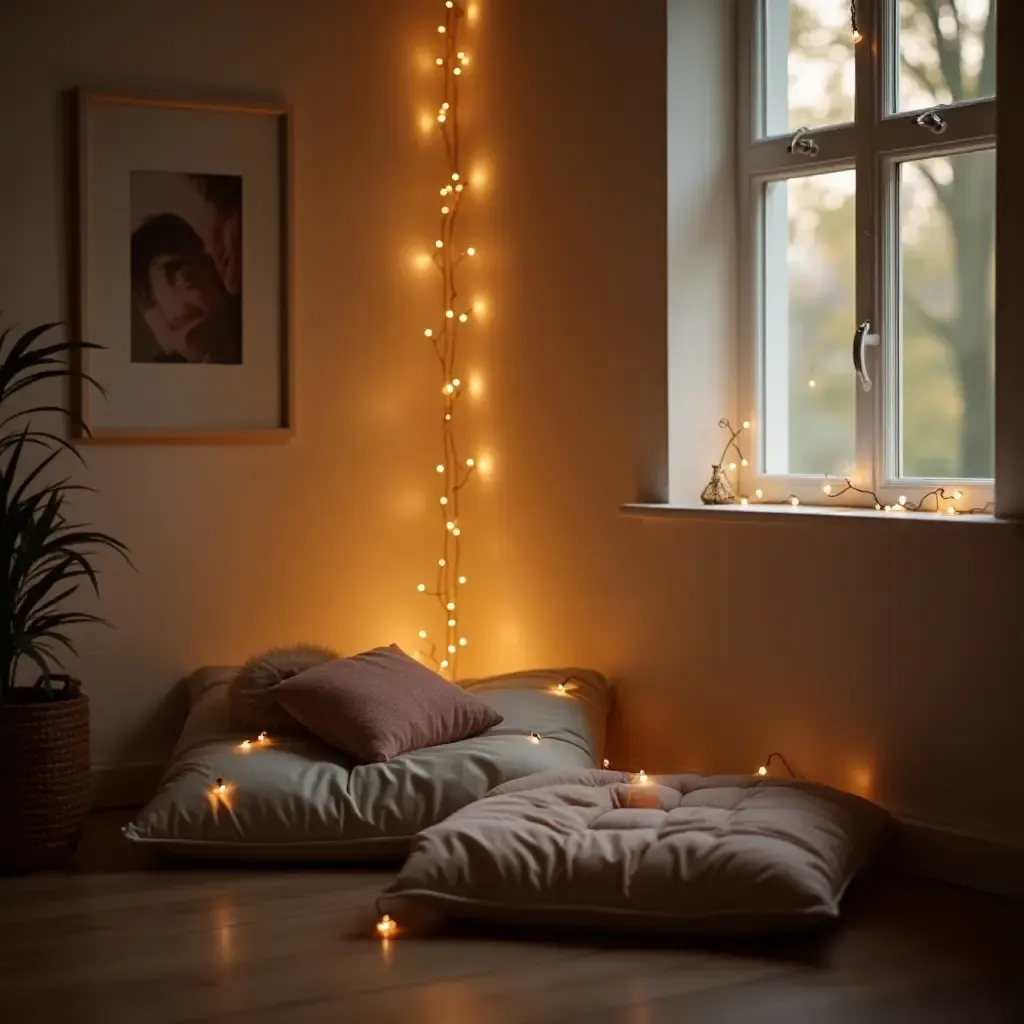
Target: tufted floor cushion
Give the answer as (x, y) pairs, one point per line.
(293, 798)
(678, 852)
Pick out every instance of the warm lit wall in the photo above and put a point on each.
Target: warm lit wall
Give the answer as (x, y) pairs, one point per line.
(883, 657)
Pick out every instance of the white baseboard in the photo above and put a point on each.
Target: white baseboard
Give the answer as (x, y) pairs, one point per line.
(124, 785)
(944, 855)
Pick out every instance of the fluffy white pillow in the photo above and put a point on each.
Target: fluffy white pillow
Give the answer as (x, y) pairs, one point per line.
(251, 703)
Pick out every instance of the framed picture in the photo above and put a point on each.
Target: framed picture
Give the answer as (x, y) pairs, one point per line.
(184, 270)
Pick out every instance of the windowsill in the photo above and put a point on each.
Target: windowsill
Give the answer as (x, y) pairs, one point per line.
(779, 513)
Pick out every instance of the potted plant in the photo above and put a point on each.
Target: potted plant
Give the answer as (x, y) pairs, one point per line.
(44, 557)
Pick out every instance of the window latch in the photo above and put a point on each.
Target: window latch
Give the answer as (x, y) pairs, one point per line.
(802, 144)
(863, 337)
(933, 121)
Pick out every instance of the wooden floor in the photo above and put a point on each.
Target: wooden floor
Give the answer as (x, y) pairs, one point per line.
(119, 939)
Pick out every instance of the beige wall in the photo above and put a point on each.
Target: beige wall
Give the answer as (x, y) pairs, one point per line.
(883, 657)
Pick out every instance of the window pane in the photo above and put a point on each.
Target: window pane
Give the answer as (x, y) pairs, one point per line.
(947, 351)
(947, 51)
(809, 75)
(809, 320)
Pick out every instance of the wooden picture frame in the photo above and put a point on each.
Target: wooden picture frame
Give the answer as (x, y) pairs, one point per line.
(183, 255)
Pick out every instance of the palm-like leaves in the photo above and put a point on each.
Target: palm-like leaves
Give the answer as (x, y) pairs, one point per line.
(43, 555)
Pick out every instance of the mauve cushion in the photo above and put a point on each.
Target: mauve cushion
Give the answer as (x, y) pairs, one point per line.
(382, 703)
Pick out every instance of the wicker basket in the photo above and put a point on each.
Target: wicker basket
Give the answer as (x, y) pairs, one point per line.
(44, 778)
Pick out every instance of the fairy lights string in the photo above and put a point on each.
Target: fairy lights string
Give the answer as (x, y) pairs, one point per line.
(936, 501)
(448, 254)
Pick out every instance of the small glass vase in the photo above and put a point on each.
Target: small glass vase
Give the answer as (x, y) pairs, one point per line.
(718, 490)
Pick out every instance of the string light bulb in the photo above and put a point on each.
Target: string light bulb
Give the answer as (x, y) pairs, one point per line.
(386, 927)
(463, 641)
(421, 587)
(560, 687)
(462, 581)
(245, 744)
(442, 562)
(471, 251)
(641, 777)
(762, 771)
(606, 763)
(220, 787)
(428, 333)
(423, 634)
(535, 737)
(263, 738)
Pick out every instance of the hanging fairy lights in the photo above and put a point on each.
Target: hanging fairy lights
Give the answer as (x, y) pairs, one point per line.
(448, 254)
(855, 32)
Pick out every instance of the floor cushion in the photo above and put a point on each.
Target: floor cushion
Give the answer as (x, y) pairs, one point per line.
(685, 853)
(293, 798)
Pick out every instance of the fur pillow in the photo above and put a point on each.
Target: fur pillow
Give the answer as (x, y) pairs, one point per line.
(251, 703)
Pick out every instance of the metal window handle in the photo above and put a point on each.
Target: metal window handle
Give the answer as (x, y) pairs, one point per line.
(933, 121)
(863, 337)
(802, 144)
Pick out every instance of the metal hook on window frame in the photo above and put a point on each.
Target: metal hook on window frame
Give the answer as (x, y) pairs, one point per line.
(802, 143)
(933, 121)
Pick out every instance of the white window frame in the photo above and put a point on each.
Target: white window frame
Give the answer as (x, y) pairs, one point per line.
(873, 145)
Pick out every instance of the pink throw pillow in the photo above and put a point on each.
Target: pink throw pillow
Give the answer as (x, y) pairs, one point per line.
(382, 703)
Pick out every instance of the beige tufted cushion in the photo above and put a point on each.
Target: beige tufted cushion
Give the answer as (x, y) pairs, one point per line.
(683, 852)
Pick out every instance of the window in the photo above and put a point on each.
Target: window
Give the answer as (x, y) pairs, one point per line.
(867, 176)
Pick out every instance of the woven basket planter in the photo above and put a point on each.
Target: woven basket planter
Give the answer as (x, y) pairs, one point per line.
(44, 779)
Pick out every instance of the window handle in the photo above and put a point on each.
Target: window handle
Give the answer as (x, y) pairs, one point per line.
(861, 338)
(933, 121)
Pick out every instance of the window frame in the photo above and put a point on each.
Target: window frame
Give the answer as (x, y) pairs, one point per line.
(879, 138)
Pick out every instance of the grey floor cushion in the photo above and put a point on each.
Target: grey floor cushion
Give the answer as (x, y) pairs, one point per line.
(684, 853)
(292, 798)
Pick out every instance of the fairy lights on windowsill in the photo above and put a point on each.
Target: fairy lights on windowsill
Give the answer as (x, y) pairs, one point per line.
(455, 472)
(937, 501)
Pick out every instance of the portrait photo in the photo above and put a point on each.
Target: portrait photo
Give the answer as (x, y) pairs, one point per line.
(182, 256)
(186, 267)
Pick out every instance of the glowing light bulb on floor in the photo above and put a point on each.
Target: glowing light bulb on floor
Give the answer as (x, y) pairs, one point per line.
(759, 493)
(262, 738)
(606, 763)
(762, 770)
(560, 687)
(535, 737)
(219, 787)
(827, 489)
(386, 927)
(245, 744)
(641, 777)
